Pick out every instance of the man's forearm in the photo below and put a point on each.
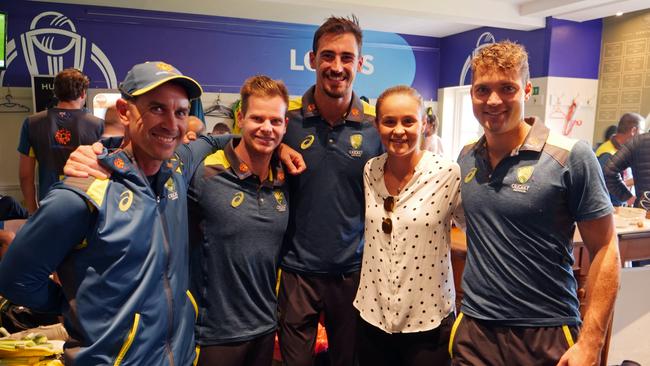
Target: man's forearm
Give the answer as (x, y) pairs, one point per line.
(29, 194)
(601, 289)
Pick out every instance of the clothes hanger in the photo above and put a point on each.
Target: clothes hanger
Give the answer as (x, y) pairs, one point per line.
(10, 107)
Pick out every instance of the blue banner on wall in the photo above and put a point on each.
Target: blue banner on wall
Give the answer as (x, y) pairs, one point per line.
(219, 52)
(562, 49)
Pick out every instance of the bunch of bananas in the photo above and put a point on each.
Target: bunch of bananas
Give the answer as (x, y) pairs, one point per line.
(31, 350)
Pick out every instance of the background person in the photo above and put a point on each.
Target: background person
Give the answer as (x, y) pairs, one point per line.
(406, 293)
(629, 126)
(48, 137)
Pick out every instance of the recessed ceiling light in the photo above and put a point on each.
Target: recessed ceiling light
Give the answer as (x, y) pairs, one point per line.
(619, 13)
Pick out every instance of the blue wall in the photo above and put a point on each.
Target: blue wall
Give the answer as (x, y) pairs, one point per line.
(562, 49)
(219, 52)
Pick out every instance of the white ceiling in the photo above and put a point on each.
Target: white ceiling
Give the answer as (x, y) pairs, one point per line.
(437, 18)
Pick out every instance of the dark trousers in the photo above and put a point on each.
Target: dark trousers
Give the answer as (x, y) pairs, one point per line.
(301, 299)
(477, 343)
(255, 352)
(378, 348)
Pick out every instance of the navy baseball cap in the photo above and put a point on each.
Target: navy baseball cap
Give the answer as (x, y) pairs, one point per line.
(150, 75)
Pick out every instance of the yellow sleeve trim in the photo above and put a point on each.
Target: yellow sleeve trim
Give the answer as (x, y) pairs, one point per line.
(218, 158)
(32, 154)
(606, 148)
(129, 340)
(567, 335)
(295, 104)
(453, 333)
(97, 191)
(368, 109)
(194, 305)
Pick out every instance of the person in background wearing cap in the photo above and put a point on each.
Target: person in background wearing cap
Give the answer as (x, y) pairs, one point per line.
(119, 245)
(48, 137)
(238, 213)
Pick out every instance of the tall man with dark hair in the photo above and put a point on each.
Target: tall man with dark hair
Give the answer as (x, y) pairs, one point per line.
(48, 137)
(629, 126)
(333, 129)
(524, 190)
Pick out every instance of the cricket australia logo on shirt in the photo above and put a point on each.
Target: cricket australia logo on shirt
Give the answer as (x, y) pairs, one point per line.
(523, 175)
(279, 198)
(355, 141)
(171, 189)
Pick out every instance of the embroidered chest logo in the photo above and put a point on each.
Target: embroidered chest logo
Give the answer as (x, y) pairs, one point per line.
(279, 198)
(119, 163)
(172, 194)
(126, 199)
(306, 143)
(237, 199)
(62, 136)
(523, 175)
(470, 175)
(355, 141)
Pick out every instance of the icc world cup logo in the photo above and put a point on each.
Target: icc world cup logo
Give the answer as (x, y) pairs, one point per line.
(52, 44)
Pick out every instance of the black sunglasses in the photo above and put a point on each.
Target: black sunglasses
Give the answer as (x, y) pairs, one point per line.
(387, 223)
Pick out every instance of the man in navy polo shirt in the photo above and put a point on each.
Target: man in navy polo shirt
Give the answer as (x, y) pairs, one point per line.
(238, 213)
(48, 137)
(333, 130)
(524, 190)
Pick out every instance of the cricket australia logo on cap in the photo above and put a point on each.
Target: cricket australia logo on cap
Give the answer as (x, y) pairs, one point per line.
(355, 142)
(172, 194)
(523, 175)
(279, 198)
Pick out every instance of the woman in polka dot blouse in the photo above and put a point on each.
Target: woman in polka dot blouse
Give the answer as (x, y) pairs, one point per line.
(406, 294)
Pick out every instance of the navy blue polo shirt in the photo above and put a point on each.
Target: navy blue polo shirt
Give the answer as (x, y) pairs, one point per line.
(520, 222)
(236, 228)
(325, 233)
(51, 135)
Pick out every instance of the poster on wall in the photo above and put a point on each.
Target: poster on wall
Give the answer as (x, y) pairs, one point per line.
(43, 92)
(106, 42)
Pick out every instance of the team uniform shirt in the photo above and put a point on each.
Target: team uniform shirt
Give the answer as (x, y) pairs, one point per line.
(237, 228)
(325, 233)
(120, 248)
(406, 281)
(634, 155)
(604, 152)
(51, 135)
(520, 223)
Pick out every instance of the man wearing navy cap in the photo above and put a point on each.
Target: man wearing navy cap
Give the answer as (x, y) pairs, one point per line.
(119, 245)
